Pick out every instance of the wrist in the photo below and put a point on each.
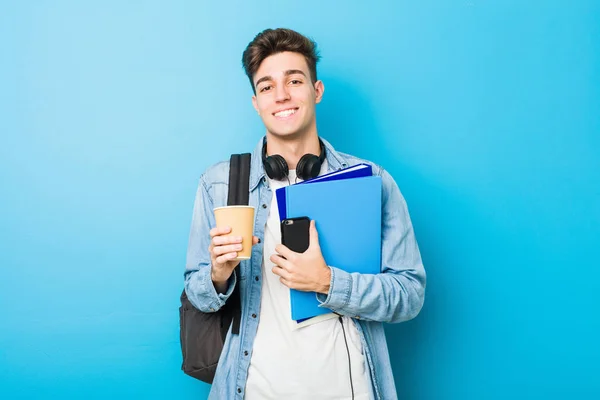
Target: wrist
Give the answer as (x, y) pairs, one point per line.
(220, 286)
(219, 282)
(326, 281)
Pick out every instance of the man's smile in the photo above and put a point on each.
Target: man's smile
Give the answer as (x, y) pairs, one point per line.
(285, 113)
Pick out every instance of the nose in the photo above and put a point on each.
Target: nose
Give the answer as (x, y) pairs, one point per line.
(281, 93)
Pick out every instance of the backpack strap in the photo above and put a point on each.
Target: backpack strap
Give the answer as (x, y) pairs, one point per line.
(239, 180)
(238, 195)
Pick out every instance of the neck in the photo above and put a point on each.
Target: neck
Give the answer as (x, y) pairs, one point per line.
(293, 148)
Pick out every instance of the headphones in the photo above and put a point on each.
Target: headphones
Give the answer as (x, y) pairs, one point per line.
(308, 167)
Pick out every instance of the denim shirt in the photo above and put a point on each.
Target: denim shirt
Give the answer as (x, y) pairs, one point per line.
(394, 295)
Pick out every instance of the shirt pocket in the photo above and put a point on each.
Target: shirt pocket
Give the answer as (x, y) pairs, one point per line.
(219, 192)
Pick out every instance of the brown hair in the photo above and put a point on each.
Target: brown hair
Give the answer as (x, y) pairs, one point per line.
(273, 41)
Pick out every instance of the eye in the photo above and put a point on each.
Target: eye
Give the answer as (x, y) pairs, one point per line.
(295, 81)
(265, 88)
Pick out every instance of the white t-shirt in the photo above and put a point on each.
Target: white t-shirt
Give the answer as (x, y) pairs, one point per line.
(306, 363)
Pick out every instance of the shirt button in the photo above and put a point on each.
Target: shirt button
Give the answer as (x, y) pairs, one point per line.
(253, 315)
(239, 390)
(259, 240)
(264, 206)
(246, 353)
(256, 278)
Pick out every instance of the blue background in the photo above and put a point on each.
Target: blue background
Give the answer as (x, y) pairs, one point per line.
(487, 113)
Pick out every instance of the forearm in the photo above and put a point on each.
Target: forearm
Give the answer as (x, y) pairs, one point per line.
(199, 285)
(385, 297)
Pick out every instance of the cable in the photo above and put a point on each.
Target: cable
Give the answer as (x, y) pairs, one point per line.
(347, 350)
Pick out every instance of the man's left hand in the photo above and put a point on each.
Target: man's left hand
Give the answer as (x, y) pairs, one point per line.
(306, 271)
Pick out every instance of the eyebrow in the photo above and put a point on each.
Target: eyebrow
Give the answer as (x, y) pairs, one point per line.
(286, 73)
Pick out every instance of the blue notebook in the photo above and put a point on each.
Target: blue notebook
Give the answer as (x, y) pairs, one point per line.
(348, 218)
(355, 171)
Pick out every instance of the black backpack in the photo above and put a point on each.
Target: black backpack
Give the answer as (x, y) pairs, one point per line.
(202, 335)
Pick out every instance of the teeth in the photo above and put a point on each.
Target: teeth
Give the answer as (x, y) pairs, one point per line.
(285, 113)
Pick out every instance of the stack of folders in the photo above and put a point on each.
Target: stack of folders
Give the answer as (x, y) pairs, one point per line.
(346, 207)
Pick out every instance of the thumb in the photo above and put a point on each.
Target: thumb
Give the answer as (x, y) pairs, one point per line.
(314, 235)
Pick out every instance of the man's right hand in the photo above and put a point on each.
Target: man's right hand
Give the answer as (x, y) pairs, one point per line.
(223, 249)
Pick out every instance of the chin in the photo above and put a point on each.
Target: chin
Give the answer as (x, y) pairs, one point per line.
(285, 133)
(289, 133)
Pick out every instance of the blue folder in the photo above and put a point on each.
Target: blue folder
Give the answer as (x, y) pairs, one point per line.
(355, 171)
(348, 218)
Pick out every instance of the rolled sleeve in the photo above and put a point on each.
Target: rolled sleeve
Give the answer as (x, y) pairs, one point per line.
(201, 291)
(340, 287)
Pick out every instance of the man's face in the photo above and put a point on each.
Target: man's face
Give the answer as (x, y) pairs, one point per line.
(285, 95)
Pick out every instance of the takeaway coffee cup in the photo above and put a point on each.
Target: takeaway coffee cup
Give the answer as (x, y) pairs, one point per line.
(241, 221)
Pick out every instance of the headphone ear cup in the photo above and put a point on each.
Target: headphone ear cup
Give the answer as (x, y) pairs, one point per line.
(308, 167)
(276, 167)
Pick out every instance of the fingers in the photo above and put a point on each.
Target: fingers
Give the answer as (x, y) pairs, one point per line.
(231, 248)
(286, 283)
(284, 251)
(280, 261)
(285, 276)
(287, 279)
(224, 247)
(225, 240)
(226, 258)
(224, 230)
(282, 273)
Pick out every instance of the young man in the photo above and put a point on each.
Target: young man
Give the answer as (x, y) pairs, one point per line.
(337, 358)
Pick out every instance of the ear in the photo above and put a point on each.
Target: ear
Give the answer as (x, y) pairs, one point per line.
(255, 104)
(319, 90)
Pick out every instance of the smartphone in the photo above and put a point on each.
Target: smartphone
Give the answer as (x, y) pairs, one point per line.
(295, 233)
